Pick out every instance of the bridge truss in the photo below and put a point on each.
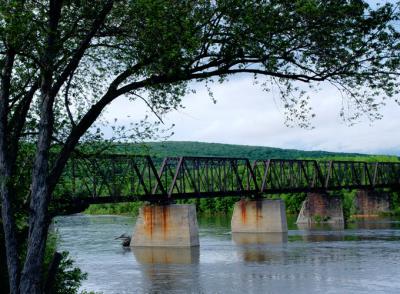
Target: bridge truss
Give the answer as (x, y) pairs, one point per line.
(123, 178)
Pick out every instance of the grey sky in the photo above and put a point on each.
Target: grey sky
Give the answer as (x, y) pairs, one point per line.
(244, 114)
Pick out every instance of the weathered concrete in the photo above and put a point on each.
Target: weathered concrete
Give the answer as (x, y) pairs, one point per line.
(167, 255)
(172, 225)
(321, 208)
(260, 216)
(370, 202)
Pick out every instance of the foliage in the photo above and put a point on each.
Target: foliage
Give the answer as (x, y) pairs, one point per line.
(348, 203)
(319, 219)
(293, 202)
(394, 198)
(393, 212)
(214, 205)
(68, 278)
(63, 62)
(176, 148)
(114, 208)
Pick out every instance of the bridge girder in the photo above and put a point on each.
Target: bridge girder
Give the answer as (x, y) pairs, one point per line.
(120, 178)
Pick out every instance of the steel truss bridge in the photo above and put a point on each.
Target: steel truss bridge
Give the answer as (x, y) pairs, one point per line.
(125, 178)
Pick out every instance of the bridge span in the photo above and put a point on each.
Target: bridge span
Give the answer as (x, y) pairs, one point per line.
(123, 178)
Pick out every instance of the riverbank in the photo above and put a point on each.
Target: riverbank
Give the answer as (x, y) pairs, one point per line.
(224, 206)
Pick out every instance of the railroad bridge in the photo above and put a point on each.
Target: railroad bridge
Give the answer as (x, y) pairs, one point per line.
(125, 178)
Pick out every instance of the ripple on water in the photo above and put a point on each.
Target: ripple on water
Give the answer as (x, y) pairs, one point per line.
(361, 259)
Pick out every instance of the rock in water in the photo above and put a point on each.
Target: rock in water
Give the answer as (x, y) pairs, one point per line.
(126, 239)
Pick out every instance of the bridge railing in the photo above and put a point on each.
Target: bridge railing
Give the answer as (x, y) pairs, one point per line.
(276, 175)
(117, 177)
(207, 176)
(351, 175)
(110, 175)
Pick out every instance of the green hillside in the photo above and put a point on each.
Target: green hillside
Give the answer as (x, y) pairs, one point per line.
(177, 148)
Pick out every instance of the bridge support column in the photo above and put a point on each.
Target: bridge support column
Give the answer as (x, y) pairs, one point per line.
(321, 208)
(172, 225)
(369, 203)
(260, 216)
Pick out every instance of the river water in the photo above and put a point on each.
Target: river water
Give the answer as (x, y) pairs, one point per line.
(363, 258)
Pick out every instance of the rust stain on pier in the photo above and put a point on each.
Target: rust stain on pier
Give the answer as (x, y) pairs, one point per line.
(243, 211)
(156, 221)
(258, 212)
(148, 214)
(165, 212)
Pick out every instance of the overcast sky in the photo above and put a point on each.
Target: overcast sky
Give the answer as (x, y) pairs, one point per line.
(245, 114)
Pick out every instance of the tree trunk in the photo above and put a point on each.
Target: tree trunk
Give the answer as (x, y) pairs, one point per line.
(10, 240)
(39, 219)
(52, 273)
(6, 207)
(32, 274)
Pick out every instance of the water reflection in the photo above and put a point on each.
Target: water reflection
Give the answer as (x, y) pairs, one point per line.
(259, 238)
(241, 263)
(259, 247)
(167, 269)
(372, 224)
(166, 255)
(322, 232)
(322, 227)
(323, 237)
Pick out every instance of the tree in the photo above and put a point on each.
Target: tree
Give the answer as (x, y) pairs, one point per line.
(63, 61)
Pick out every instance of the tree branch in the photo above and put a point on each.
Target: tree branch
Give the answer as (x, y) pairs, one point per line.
(149, 106)
(66, 101)
(80, 51)
(90, 117)
(18, 121)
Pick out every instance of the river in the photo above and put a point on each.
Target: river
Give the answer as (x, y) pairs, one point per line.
(363, 258)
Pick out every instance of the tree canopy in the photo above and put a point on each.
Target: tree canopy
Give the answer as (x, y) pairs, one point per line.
(63, 61)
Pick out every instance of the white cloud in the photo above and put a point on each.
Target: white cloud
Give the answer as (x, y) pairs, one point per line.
(244, 114)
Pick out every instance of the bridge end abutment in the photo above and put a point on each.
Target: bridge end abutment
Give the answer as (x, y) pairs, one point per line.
(173, 225)
(371, 202)
(321, 208)
(259, 216)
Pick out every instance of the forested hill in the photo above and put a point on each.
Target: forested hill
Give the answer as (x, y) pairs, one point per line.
(176, 148)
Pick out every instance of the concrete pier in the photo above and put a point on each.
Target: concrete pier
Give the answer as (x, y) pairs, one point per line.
(172, 225)
(321, 208)
(260, 216)
(371, 202)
